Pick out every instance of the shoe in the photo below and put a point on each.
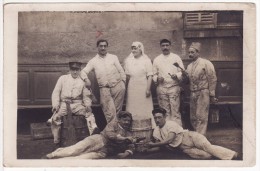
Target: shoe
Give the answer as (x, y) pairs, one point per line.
(235, 157)
(96, 131)
(123, 155)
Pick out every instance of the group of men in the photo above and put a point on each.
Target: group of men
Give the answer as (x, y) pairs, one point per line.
(169, 72)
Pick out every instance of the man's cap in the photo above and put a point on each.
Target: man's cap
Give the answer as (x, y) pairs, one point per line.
(196, 45)
(159, 110)
(75, 65)
(123, 114)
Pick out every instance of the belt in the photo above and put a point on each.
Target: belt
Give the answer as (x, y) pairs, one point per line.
(71, 101)
(108, 86)
(198, 90)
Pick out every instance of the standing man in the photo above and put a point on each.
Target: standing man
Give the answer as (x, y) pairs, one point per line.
(71, 89)
(111, 80)
(203, 80)
(167, 78)
(170, 135)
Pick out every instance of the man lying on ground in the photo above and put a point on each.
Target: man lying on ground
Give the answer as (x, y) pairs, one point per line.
(115, 139)
(170, 135)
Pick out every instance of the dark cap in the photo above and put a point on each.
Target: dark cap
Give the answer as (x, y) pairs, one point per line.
(75, 65)
(159, 110)
(123, 114)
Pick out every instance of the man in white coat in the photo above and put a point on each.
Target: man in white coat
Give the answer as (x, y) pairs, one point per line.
(71, 89)
(202, 80)
(167, 77)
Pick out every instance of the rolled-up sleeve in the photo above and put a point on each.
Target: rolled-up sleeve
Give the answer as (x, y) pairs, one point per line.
(86, 97)
(84, 72)
(148, 67)
(179, 73)
(155, 70)
(120, 69)
(110, 131)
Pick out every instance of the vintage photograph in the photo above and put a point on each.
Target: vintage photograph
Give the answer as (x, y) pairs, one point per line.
(132, 82)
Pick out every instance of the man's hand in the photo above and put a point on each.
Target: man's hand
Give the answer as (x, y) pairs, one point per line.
(213, 99)
(130, 140)
(55, 108)
(148, 93)
(88, 109)
(87, 83)
(149, 145)
(173, 76)
(160, 79)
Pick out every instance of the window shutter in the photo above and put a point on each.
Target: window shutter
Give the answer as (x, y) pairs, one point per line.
(200, 20)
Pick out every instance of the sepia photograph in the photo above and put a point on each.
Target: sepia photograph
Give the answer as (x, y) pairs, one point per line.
(142, 84)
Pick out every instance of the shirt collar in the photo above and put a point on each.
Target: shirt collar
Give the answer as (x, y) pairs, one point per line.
(102, 57)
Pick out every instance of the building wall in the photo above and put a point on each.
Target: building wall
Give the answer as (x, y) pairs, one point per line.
(58, 37)
(47, 41)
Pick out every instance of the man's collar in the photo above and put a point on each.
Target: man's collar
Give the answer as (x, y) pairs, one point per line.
(102, 57)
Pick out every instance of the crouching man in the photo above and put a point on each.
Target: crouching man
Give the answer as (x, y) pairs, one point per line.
(115, 139)
(170, 135)
(71, 89)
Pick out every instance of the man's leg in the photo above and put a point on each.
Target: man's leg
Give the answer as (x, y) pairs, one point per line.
(90, 155)
(56, 123)
(193, 108)
(202, 112)
(118, 94)
(187, 146)
(201, 142)
(164, 102)
(107, 104)
(174, 98)
(197, 153)
(79, 109)
(89, 144)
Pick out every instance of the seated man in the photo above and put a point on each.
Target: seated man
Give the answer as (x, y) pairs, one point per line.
(170, 135)
(71, 89)
(114, 139)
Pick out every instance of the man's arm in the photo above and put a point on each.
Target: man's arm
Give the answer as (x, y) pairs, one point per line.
(112, 134)
(55, 98)
(85, 71)
(212, 78)
(86, 99)
(180, 71)
(120, 69)
(155, 72)
(167, 141)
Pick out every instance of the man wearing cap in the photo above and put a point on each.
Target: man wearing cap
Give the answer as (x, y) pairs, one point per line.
(167, 78)
(203, 80)
(71, 89)
(115, 139)
(111, 80)
(170, 135)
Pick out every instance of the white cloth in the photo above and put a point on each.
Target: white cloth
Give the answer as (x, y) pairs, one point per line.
(163, 65)
(108, 70)
(136, 101)
(169, 127)
(202, 75)
(70, 88)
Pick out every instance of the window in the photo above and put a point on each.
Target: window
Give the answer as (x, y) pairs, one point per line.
(200, 20)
